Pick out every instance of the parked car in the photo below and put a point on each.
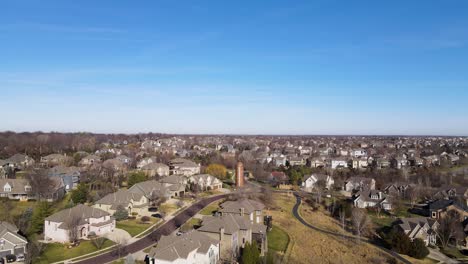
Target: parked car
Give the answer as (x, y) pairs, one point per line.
(20, 258)
(10, 258)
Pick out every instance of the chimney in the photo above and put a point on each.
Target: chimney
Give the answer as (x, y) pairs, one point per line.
(242, 211)
(221, 234)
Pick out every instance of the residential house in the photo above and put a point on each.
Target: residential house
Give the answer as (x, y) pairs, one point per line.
(359, 183)
(87, 220)
(11, 243)
(126, 160)
(317, 163)
(55, 159)
(155, 169)
(438, 209)
(233, 232)
(454, 159)
(133, 202)
(339, 163)
(279, 161)
(310, 182)
(115, 164)
(372, 198)
(152, 190)
(360, 163)
(90, 160)
(20, 161)
(177, 184)
(205, 182)
(383, 163)
(296, 161)
(191, 247)
(69, 175)
(250, 209)
(278, 177)
(185, 167)
(419, 227)
(145, 161)
(16, 189)
(398, 189)
(358, 153)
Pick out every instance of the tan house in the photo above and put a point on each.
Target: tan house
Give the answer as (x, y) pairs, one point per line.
(131, 201)
(155, 169)
(205, 182)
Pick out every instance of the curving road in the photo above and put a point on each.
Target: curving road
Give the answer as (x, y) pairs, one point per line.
(299, 217)
(164, 230)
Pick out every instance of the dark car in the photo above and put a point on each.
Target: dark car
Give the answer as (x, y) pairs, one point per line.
(2, 261)
(10, 258)
(157, 215)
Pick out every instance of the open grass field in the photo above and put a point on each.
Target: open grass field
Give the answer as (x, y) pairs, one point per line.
(57, 252)
(135, 226)
(309, 246)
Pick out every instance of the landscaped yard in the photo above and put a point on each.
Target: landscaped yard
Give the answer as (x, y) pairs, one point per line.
(168, 208)
(57, 252)
(278, 239)
(211, 208)
(190, 224)
(454, 253)
(135, 226)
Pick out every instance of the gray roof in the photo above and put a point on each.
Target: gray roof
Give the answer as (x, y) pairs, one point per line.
(230, 223)
(121, 197)
(17, 185)
(18, 158)
(9, 232)
(235, 206)
(146, 188)
(155, 166)
(82, 211)
(171, 248)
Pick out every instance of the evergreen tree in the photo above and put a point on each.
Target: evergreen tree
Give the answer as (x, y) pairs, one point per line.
(418, 249)
(80, 195)
(41, 211)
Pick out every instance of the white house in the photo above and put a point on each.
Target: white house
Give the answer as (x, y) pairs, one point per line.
(357, 153)
(205, 182)
(309, 183)
(339, 163)
(184, 167)
(191, 247)
(85, 219)
(372, 198)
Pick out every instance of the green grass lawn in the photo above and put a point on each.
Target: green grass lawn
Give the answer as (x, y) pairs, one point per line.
(278, 239)
(135, 226)
(168, 208)
(190, 224)
(210, 208)
(454, 253)
(57, 252)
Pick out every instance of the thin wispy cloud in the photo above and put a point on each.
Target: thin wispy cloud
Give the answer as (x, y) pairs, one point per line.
(60, 28)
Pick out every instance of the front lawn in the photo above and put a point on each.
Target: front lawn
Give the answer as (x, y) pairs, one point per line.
(135, 226)
(190, 224)
(278, 240)
(211, 208)
(55, 252)
(454, 253)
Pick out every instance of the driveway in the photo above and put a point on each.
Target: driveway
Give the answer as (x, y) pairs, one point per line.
(437, 255)
(119, 236)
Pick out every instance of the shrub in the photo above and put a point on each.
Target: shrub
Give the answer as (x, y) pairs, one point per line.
(145, 219)
(418, 249)
(121, 213)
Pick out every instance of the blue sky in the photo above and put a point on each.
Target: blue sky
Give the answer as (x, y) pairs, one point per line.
(254, 67)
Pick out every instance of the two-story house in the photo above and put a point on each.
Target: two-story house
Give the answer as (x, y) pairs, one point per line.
(82, 219)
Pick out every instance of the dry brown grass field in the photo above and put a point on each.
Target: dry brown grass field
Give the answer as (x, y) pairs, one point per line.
(310, 246)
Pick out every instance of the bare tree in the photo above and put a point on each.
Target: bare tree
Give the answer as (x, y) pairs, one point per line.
(120, 246)
(41, 184)
(449, 228)
(73, 223)
(413, 195)
(319, 188)
(361, 221)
